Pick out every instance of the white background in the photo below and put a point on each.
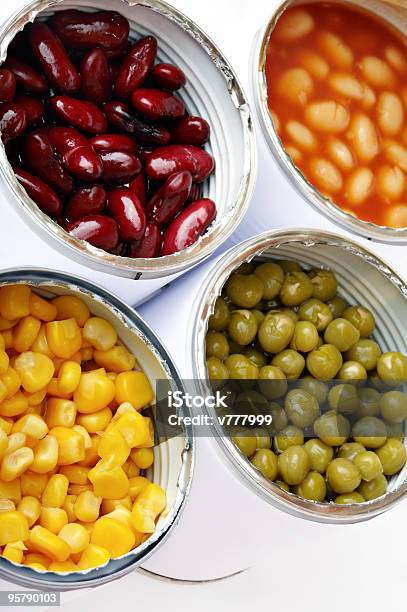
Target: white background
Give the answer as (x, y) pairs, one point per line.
(310, 567)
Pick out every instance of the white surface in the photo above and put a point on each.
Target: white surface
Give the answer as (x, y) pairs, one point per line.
(309, 566)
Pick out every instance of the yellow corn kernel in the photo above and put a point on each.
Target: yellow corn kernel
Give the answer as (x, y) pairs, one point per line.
(14, 406)
(100, 333)
(87, 506)
(87, 353)
(64, 337)
(132, 470)
(14, 442)
(14, 552)
(39, 410)
(149, 504)
(11, 490)
(60, 412)
(6, 425)
(31, 425)
(45, 455)
(54, 391)
(91, 453)
(134, 387)
(133, 427)
(42, 309)
(93, 556)
(55, 491)
(53, 519)
(77, 489)
(113, 448)
(35, 399)
(31, 508)
(136, 485)
(85, 435)
(68, 506)
(95, 421)
(12, 381)
(95, 392)
(71, 445)
(108, 505)
(109, 481)
(36, 558)
(123, 409)
(36, 566)
(7, 324)
(41, 345)
(76, 536)
(4, 364)
(117, 359)
(13, 527)
(2, 343)
(25, 333)
(8, 338)
(75, 474)
(17, 462)
(6, 505)
(62, 566)
(15, 301)
(33, 484)
(3, 443)
(143, 457)
(70, 306)
(35, 370)
(113, 535)
(123, 515)
(69, 376)
(46, 542)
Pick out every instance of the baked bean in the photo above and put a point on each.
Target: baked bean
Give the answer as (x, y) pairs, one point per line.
(335, 50)
(390, 182)
(364, 137)
(302, 136)
(294, 153)
(296, 85)
(390, 113)
(396, 153)
(294, 25)
(346, 85)
(395, 58)
(369, 97)
(396, 216)
(340, 154)
(377, 72)
(327, 116)
(359, 186)
(276, 122)
(326, 176)
(314, 63)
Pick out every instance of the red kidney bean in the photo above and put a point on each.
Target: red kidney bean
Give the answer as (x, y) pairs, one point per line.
(80, 30)
(191, 130)
(34, 108)
(89, 200)
(95, 74)
(27, 78)
(7, 85)
(76, 153)
(119, 167)
(164, 161)
(99, 230)
(121, 116)
(191, 223)
(149, 245)
(156, 104)
(114, 142)
(170, 198)
(53, 58)
(13, 120)
(136, 66)
(195, 193)
(119, 250)
(168, 76)
(41, 158)
(128, 212)
(80, 113)
(138, 186)
(45, 197)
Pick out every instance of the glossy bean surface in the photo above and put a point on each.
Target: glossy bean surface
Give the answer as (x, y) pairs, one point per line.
(99, 230)
(174, 158)
(97, 84)
(170, 198)
(190, 224)
(82, 30)
(80, 113)
(45, 197)
(126, 209)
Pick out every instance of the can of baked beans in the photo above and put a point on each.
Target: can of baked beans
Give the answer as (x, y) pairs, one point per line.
(173, 456)
(213, 91)
(252, 515)
(354, 173)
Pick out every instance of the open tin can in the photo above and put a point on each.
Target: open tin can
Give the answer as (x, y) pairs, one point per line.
(173, 457)
(213, 91)
(392, 12)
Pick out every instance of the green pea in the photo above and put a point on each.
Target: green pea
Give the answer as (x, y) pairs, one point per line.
(220, 318)
(320, 455)
(350, 450)
(368, 464)
(392, 456)
(289, 436)
(272, 382)
(217, 371)
(244, 290)
(369, 402)
(362, 319)
(324, 284)
(350, 498)
(316, 387)
(242, 327)
(373, 489)
(241, 368)
(305, 338)
(324, 362)
(343, 398)
(266, 462)
(393, 406)
(301, 408)
(296, 288)
(293, 465)
(290, 362)
(259, 316)
(272, 276)
(246, 268)
(343, 476)
(370, 431)
(244, 441)
(262, 437)
(279, 418)
(313, 487)
(366, 352)
(392, 368)
(352, 371)
(315, 312)
(332, 428)
(256, 357)
(337, 306)
(276, 332)
(283, 485)
(289, 266)
(342, 334)
(217, 345)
